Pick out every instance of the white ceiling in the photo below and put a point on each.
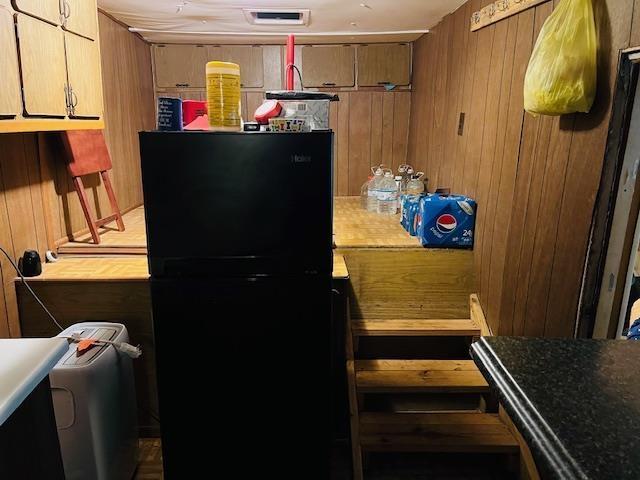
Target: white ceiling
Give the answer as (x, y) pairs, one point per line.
(223, 21)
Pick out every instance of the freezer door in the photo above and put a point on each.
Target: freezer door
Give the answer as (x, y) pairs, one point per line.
(246, 363)
(257, 202)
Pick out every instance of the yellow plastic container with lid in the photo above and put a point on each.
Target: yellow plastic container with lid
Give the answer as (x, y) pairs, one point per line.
(223, 96)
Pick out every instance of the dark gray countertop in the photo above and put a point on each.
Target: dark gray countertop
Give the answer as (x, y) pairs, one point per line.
(576, 402)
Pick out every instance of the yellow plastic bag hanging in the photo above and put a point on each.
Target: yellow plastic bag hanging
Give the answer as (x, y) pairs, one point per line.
(561, 76)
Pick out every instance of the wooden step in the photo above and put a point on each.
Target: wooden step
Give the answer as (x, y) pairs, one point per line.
(415, 328)
(435, 432)
(418, 376)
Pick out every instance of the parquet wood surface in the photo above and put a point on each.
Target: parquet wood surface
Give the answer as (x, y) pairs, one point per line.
(354, 227)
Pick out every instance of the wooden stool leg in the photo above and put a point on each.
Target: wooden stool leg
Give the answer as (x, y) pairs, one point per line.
(112, 199)
(77, 182)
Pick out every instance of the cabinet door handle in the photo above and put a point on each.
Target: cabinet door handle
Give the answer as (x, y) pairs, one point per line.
(384, 83)
(72, 101)
(182, 85)
(67, 102)
(66, 9)
(328, 84)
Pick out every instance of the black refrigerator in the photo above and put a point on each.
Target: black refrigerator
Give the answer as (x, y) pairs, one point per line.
(239, 234)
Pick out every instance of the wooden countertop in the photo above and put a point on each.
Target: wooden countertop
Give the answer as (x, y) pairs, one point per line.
(121, 268)
(354, 227)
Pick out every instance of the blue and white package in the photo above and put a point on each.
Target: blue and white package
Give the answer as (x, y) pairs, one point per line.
(410, 213)
(447, 221)
(169, 114)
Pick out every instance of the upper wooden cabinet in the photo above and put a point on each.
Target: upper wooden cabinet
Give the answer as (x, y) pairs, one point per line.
(84, 77)
(249, 58)
(44, 74)
(51, 77)
(384, 63)
(181, 66)
(328, 66)
(48, 10)
(81, 17)
(10, 104)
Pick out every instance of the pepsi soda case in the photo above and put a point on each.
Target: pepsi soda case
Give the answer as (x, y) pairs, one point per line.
(410, 209)
(446, 221)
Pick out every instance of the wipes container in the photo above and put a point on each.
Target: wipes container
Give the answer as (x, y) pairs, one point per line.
(223, 96)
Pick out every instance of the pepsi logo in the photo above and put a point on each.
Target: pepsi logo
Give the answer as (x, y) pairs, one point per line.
(446, 223)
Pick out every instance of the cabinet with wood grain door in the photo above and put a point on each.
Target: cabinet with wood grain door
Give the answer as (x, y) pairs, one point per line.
(51, 76)
(47, 10)
(180, 66)
(10, 104)
(84, 77)
(249, 59)
(80, 17)
(384, 64)
(43, 67)
(328, 66)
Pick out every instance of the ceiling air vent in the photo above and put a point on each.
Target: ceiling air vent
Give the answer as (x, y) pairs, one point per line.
(270, 16)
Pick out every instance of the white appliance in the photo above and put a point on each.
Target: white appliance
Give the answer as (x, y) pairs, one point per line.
(95, 405)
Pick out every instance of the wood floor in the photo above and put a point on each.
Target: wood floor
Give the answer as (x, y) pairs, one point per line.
(150, 463)
(132, 241)
(353, 227)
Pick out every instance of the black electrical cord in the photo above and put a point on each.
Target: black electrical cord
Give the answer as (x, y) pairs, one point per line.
(291, 65)
(24, 281)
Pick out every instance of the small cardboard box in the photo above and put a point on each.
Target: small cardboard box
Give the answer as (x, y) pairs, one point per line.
(315, 112)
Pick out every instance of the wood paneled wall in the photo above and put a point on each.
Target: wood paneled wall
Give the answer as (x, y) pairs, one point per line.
(370, 128)
(38, 206)
(535, 179)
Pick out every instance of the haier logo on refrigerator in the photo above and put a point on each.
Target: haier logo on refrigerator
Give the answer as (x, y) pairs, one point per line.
(296, 158)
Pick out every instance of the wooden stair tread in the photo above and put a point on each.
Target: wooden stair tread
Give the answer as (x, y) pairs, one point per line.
(435, 432)
(423, 376)
(415, 327)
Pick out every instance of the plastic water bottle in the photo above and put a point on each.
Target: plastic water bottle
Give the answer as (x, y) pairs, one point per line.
(405, 171)
(415, 185)
(398, 180)
(387, 194)
(372, 189)
(364, 193)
